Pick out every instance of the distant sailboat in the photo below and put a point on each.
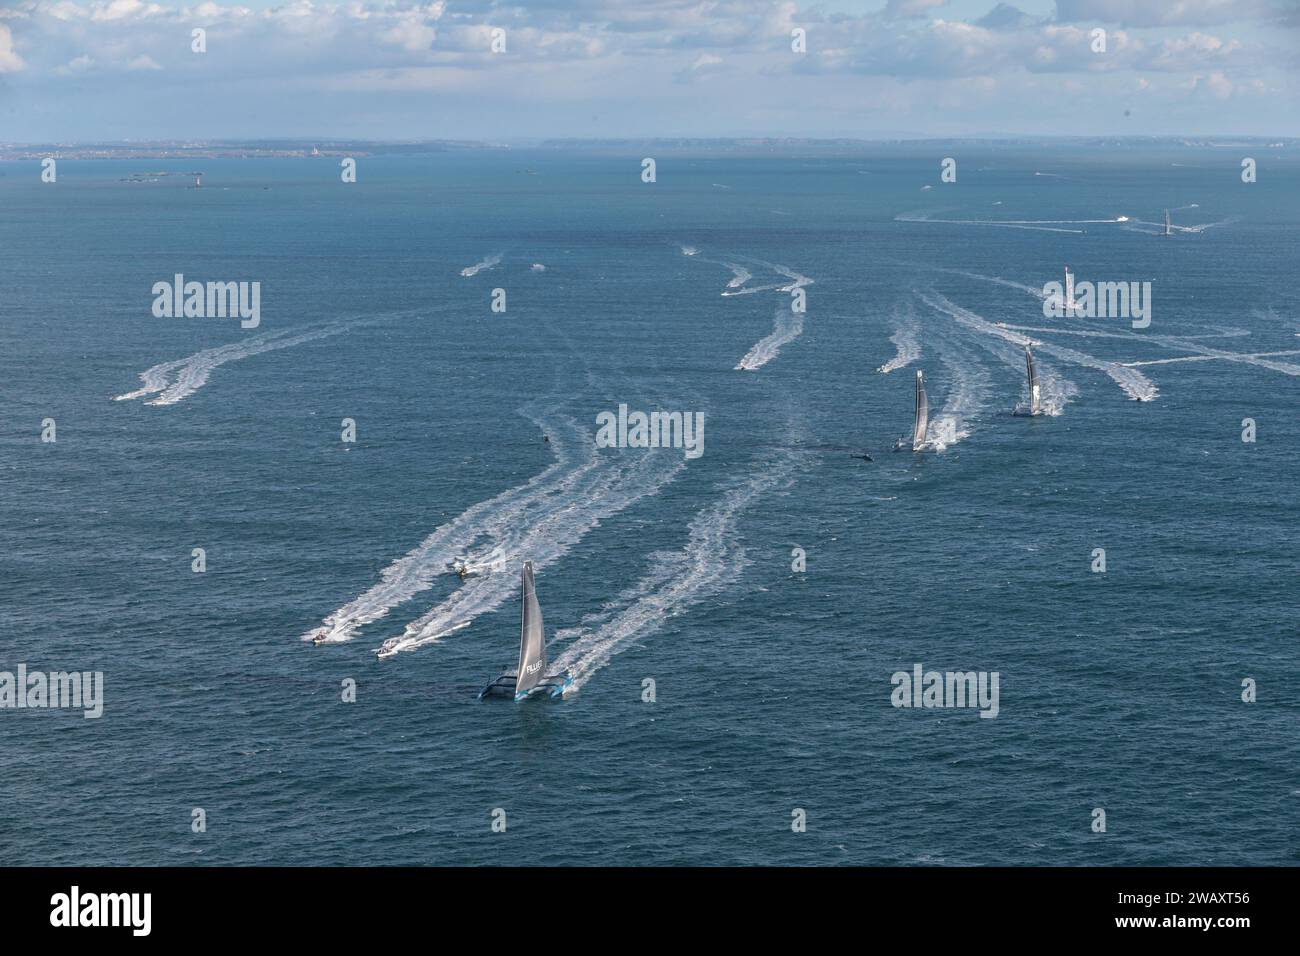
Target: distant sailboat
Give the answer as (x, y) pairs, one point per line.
(922, 419)
(530, 676)
(1070, 304)
(1032, 408)
(1169, 231)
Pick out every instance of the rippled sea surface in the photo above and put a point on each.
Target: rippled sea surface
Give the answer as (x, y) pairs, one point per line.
(772, 688)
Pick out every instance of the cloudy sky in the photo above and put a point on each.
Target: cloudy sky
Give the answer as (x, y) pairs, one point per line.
(85, 70)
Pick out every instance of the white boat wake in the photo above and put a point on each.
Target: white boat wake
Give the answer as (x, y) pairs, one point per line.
(1244, 357)
(786, 327)
(968, 392)
(179, 379)
(1054, 390)
(739, 275)
(482, 266)
(798, 281)
(751, 289)
(575, 459)
(542, 533)
(997, 280)
(1225, 332)
(1135, 385)
(1194, 229)
(1261, 359)
(1038, 225)
(712, 560)
(906, 339)
(1187, 343)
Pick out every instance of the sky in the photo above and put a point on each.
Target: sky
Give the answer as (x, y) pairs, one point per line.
(111, 70)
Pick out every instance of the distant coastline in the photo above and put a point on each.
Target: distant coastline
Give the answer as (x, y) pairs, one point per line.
(300, 149)
(227, 149)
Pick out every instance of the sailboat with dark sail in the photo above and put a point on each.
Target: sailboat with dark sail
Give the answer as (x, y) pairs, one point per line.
(920, 423)
(1033, 408)
(530, 677)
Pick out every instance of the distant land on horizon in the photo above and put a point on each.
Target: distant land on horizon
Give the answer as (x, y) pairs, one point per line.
(297, 148)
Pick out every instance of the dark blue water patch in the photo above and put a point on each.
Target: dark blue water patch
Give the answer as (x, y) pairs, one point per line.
(1119, 691)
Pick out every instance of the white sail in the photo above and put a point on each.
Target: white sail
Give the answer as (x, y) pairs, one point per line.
(532, 638)
(1168, 225)
(922, 414)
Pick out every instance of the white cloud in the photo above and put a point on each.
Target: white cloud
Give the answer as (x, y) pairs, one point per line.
(78, 64)
(643, 55)
(902, 9)
(702, 67)
(121, 9)
(1220, 86)
(10, 62)
(1166, 13)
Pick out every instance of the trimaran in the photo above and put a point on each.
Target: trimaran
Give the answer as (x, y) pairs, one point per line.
(530, 677)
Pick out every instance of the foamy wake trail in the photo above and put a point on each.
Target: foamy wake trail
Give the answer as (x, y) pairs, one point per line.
(1212, 358)
(1246, 358)
(1054, 389)
(907, 341)
(786, 327)
(481, 524)
(478, 267)
(1189, 343)
(998, 280)
(797, 280)
(1270, 314)
(182, 378)
(968, 392)
(1037, 293)
(1037, 225)
(1194, 229)
(543, 533)
(739, 275)
(1135, 385)
(711, 561)
(1184, 342)
(751, 289)
(1225, 332)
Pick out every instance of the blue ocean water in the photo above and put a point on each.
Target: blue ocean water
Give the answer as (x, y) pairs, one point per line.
(1118, 690)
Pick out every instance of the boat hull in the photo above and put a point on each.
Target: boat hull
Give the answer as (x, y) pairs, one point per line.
(552, 686)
